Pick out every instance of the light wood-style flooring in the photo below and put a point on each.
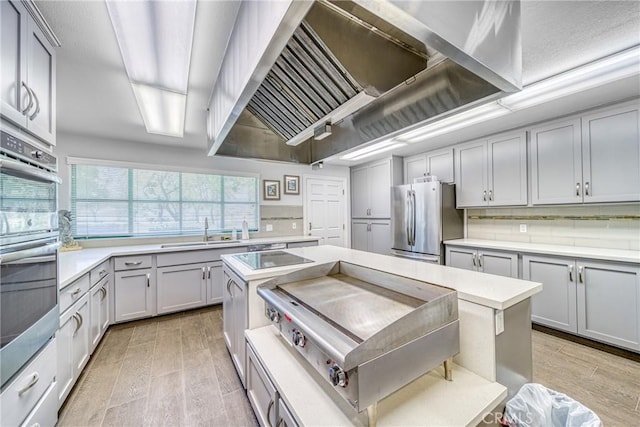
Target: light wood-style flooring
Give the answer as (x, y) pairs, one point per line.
(175, 370)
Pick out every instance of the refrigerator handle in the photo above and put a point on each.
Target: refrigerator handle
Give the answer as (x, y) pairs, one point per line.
(413, 218)
(407, 218)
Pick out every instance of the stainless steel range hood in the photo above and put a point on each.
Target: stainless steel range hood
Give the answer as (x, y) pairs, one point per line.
(372, 68)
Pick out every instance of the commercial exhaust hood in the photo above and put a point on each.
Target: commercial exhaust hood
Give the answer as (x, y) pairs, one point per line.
(354, 71)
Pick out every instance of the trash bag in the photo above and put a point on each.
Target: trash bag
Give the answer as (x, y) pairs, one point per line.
(537, 406)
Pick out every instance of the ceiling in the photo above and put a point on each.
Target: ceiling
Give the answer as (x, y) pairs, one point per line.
(96, 99)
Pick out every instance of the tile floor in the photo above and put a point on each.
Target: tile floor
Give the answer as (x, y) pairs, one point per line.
(175, 370)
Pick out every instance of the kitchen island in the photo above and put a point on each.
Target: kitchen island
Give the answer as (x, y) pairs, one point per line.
(494, 359)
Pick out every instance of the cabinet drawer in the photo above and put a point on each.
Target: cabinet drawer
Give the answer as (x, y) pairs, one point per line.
(99, 272)
(46, 411)
(22, 395)
(73, 292)
(132, 262)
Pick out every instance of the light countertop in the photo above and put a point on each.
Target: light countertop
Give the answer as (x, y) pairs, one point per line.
(559, 250)
(76, 263)
(485, 289)
(428, 401)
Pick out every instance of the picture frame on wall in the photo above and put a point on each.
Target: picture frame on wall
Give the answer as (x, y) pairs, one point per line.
(271, 190)
(291, 184)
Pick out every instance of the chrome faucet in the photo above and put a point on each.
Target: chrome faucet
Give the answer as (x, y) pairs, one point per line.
(206, 227)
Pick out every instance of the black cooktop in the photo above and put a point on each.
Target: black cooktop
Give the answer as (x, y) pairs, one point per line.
(269, 259)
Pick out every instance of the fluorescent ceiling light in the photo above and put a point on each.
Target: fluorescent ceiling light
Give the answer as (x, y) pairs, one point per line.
(371, 150)
(155, 40)
(615, 67)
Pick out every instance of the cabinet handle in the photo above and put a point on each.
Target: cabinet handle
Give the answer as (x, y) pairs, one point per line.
(586, 188)
(148, 280)
(309, 226)
(77, 319)
(204, 274)
(473, 259)
(490, 195)
(35, 114)
(28, 107)
(484, 195)
(578, 189)
(480, 260)
(229, 288)
(209, 272)
(76, 292)
(132, 263)
(282, 422)
(104, 293)
(102, 272)
(570, 273)
(269, 412)
(81, 320)
(34, 379)
(580, 275)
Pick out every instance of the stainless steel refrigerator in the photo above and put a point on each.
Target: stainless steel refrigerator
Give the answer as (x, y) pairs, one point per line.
(424, 214)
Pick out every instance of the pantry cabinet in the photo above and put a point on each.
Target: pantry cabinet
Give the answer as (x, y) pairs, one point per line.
(371, 188)
(28, 90)
(371, 236)
(438, 163)
(73, 346)
(234, 312)
(134, 294)
(482, 260)
(594, 158)
(492, 172)
(596, 299)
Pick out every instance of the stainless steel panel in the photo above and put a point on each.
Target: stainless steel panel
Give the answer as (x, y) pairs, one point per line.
(400, 217)
(428, 209)
(514, 363)
(417, 256)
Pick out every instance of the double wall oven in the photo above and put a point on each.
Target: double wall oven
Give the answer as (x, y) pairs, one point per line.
(28, 252)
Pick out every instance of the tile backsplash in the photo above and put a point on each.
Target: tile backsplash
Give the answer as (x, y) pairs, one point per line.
(281, 218)
(603, 226)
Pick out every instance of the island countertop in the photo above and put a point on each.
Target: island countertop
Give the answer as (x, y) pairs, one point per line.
(485, 289)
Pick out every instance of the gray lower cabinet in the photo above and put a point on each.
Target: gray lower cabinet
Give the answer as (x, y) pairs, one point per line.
(482, 260)
(598, 300)
(72, 346)
(134, 294)
(261, 392)
(181, 287)
(371, 236)
(234, 312)
(100, 318)
(215, 282)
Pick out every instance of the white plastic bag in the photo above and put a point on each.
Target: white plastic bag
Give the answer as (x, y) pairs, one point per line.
(537, 406)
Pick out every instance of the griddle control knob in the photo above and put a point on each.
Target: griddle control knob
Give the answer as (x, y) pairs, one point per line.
(37, 154)
(338, 377)
(274, 316)
(298, 338)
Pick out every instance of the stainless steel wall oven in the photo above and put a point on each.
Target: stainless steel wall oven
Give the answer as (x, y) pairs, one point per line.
(28, 252)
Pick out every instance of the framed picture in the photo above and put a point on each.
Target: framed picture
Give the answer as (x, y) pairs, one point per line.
(291, 184)
(271, 190)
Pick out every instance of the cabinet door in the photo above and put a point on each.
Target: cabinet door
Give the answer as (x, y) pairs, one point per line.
(461, 258)
(261, 393)
(499, 263)
(227, 312)
(81, 340)
(440, 164)
(64, 347)
(609, 303)
(414, 167)
(359, 193)
(379, 175)
(181, 287)
(360, 235)
(240, 324)
(13, 33)
(555, 305)
(380, 237)
(507, 169)
(95, 325)
(611, 155)
(215, 282)
(471, 174)
(41, 78)
(133, 294)
(105, 308)
(556, 168)
(284, 415)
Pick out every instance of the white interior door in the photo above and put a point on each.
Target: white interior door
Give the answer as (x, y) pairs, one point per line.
(325, 209)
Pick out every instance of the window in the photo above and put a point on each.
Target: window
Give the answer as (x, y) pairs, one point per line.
(111, 201)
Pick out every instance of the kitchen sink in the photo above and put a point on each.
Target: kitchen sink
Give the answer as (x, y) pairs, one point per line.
(195, 244)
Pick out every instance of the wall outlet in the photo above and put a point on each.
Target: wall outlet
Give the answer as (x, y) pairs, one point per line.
(294, 225)
(523, 228)
(269, 227)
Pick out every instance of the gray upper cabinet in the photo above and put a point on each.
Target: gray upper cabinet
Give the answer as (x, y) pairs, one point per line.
(471, 174)
(27, 87)
(611, 154)
(590, 159)
(556, 169)
(371, 188)
(438, 163)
